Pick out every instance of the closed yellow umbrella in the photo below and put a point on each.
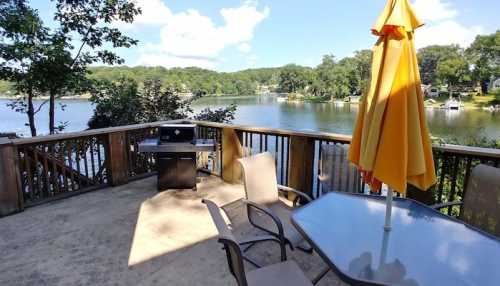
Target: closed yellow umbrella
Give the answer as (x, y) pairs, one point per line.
(391, 142)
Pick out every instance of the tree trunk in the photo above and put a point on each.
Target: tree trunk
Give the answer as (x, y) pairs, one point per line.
(52, 107)
(31, 114)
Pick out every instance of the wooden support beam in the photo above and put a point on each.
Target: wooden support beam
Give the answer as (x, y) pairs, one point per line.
(11, 200)
(301, 164)
(232, 150)
(118, 158)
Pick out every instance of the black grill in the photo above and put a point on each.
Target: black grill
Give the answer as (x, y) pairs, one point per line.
(177, 133)
(177, 169)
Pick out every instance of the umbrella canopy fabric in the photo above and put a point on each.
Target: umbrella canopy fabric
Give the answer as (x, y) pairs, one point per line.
(391, 142)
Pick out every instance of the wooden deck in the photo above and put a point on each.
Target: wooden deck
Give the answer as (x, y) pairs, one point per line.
(130, 235)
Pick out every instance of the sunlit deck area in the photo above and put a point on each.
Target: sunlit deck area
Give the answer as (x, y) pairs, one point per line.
(131, 235)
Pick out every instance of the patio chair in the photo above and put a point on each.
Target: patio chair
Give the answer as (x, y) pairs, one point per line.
(481, 203)
(286, 273)
(336, 173)
(264, 208)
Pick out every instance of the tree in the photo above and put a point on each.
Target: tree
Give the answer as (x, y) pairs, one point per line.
(453, 71)
(23, 42)
(116, 103)
(52, 64)
(293, 78)
(158, 103)
(484, 54)
(429, 58)
(88, 22)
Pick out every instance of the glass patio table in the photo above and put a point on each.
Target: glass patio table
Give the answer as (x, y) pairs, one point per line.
(424, 247)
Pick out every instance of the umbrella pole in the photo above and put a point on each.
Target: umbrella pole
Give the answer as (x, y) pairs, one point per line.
(388, 210)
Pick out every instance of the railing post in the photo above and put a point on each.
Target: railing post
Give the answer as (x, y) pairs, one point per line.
(232, 150)
(11, 200)
(301, 164)
(118, 158)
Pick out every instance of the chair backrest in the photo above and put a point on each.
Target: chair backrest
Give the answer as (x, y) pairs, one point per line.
(259, 177)
(336, 173)
(482, 199)
(233, 250)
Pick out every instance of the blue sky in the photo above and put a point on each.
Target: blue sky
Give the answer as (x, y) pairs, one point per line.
(229, 35)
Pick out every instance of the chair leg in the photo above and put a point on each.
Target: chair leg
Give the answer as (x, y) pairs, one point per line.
(321, 275)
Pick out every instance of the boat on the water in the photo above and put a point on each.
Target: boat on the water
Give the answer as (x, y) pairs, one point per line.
(452, 104)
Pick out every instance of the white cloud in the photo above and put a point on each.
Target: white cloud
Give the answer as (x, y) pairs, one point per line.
(190, 38)
(441, 25)
(434, 10)
(445, 33)
(170, 61)
(154, 12)
(244, 48)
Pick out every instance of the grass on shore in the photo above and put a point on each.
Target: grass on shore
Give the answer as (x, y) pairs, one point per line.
(474, 101)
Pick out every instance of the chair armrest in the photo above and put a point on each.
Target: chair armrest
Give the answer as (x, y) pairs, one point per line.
(444, 205)
(265, 210)
(294, 191)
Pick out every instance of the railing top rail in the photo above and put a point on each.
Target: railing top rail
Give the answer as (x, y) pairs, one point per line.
(469, 150)
(456, 149)
(278, 131)
(79, 134)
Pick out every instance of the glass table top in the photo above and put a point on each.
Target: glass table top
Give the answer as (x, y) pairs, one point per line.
(424, 247)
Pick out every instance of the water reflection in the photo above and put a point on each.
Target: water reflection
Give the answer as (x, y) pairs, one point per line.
(392, 273)
(266, 111)
(340, 117)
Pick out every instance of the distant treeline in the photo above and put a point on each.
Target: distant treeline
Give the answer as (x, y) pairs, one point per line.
(193, 79)
(448, 65)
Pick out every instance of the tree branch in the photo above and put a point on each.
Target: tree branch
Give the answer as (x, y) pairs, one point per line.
(40, 106)
(84, 42)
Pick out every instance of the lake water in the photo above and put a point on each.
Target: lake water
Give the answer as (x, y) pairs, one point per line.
(265, 111)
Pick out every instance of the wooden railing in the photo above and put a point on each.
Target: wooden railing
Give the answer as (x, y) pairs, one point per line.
(41, 169)
(298, 154)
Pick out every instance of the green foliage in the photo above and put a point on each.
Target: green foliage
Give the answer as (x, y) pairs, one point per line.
(293, 78)
(429, 58)
(484, 55)
(44, 60)
(222, 115)
(347, 77)
(116, 103)
(158, 103)
(192, 79)
(453, 71)
(123, 102)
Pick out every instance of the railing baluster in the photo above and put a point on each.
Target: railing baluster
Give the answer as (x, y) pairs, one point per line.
(92, 161)
(282, 158)
(28, 173)
(55, 172)
(46, 174)
(442, 177)
(451, 198)
(77, 160)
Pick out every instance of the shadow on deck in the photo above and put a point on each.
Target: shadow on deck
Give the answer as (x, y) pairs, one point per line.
(131, 235)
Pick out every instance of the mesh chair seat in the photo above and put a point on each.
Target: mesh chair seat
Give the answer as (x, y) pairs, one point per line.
(285, 273)
(481, 202)
(261, 188)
